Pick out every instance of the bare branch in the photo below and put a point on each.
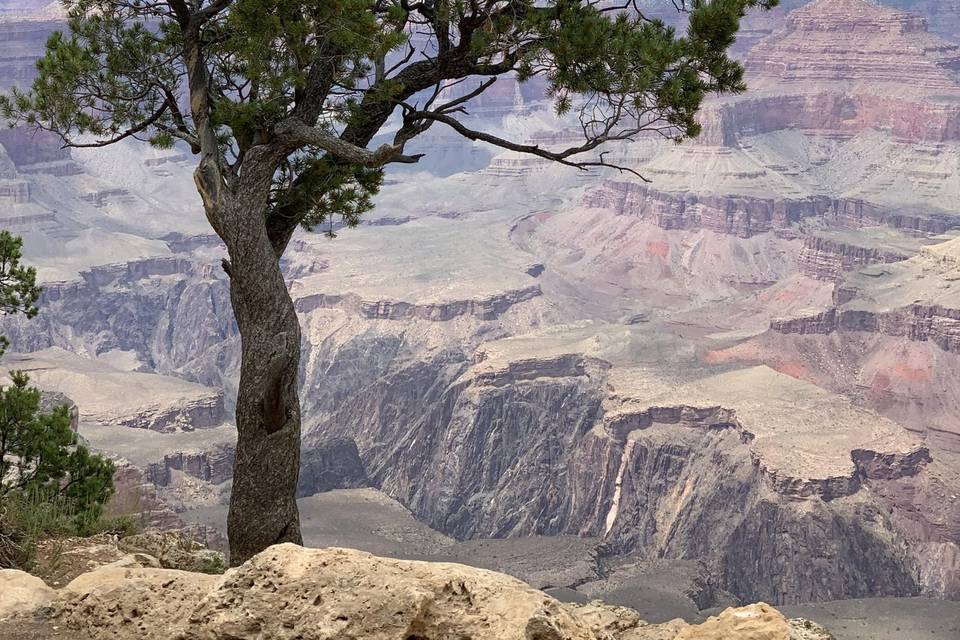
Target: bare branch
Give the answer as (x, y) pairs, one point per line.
(561, 157)
(293, 134)
(133, 131)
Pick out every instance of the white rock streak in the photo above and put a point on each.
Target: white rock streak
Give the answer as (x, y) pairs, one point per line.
(618, 485)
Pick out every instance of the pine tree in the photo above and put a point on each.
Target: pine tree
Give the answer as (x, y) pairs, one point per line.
(280, 100)
(40, 453)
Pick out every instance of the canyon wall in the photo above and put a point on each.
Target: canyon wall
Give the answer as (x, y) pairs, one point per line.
(827, 258)
(745, 216)
(940, 325)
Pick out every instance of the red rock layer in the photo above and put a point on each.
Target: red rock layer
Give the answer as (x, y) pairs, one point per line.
(746, 216)
(831, 114)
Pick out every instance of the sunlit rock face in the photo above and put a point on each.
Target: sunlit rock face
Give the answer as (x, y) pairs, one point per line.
(574, 443)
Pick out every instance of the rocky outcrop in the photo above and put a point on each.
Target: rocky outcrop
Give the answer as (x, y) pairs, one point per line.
(826, 258)
(745, 216)
(174, 549)
(292, 592)
(324, 466)
(525, 446)
(756, 620)
(59, 561)
(489, 308)
(852, 40)
(136, 495)
(849, 547)
(131, 602)
(129, 273)
(22, 44)
(836, 115)
(186, 415)
(922, 322)
(173, 313)
(21, 592)
(844, 86)
(214, 466)
(890, 466)
(27, 147)
(50, 400)
(331, 464)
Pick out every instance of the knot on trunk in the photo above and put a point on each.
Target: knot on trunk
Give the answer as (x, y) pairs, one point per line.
(277, 376)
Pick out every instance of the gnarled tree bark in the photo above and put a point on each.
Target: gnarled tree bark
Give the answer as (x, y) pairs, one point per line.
(263, 509)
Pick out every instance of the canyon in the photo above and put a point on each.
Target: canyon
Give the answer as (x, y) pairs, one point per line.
(734, 382)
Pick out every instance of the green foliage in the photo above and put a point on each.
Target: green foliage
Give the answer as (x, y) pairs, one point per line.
(40, 455)
(28, 517)
(326, 189)
(18, 284)
(49, 484)
(283, 98)
(213, 564)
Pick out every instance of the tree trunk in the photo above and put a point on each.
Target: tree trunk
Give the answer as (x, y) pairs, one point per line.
(263, 509)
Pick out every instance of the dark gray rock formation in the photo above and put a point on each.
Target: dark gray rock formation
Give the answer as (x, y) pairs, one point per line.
(329, 465)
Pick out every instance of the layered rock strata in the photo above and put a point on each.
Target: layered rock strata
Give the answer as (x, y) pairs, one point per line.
(874, 45)
(749, 215)
(916, 299)
(827, 258)
(815, 139)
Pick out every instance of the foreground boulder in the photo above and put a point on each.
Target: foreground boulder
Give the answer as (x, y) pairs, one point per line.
(757, 622)
(22, 592)
(287, 591)
(121, 602)
(292, 593)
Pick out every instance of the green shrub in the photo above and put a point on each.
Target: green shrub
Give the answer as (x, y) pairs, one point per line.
(50, 485)
(214, 564)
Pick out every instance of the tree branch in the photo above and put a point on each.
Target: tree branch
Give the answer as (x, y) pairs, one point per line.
(293, 134)
(139, 128)
(561, 157)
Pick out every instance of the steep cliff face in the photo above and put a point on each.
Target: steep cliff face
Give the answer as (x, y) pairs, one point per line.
(550, 443)
(914, 299)
(890, 342)
(169, 313)
(22, 41)
(125, 398)
(852, 120)
(214, 466)
(615, 424)
(940, 325)
(827, 258)
(869, 51)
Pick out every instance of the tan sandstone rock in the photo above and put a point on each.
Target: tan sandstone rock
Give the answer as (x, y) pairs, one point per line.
(292, 593)
(757, 621)
(289, 592)
(22, 593)
(174, 550)
(123, 603)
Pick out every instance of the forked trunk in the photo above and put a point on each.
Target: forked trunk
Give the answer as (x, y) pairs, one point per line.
(263, 509)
